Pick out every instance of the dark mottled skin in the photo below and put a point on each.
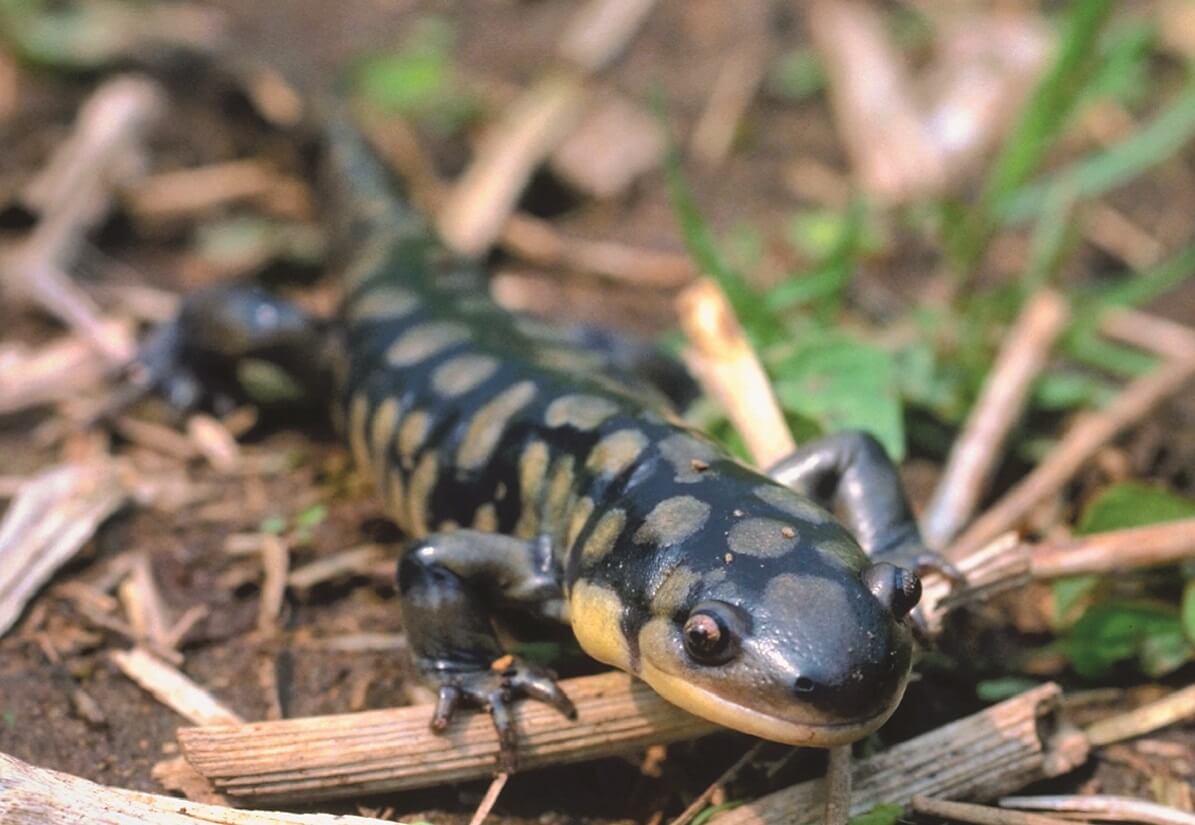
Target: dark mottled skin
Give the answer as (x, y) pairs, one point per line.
(664, 524)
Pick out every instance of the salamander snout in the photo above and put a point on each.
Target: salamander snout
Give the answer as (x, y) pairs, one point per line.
(896, 588)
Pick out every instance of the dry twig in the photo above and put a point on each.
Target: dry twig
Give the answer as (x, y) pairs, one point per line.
(979, 814)
(481, 201)
(697, 805)
(174, 689)
(1109, 808)
(1090, 434)
(374, 751)
(1176, 707)
(734, 89)
(73, 194)
(47, 523)
(975, 453)
(491, 796)
(35, 796)
(983, 755)
(723, 361)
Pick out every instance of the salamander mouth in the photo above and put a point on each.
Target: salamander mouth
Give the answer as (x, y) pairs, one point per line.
(719, 709)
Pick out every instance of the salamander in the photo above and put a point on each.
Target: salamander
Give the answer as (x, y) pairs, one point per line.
(532, 470)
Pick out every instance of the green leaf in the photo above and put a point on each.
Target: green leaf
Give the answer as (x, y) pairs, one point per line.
(1188, 610)
(274, 525)
(1158, 140)
(997, 690)
(842, 384)
(797, 74)
(311, 517)
(1071, 596)
(418, 79)
(1068, 389)
(1132, 504)
(713, 810)
(886, 813)
(1111, 633)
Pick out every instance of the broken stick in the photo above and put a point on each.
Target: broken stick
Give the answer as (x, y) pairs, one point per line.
(36, 796)
(322, 757)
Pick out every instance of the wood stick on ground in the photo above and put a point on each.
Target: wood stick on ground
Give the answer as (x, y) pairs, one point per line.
(1108, 808)
(1167, 338)
(275, 559)
(698, 805)
(539, 242)
(728, 369)
(173, 688)
(1133, 403)
(104, 148)
(62, 368)
(980, 814)
(356, 561)
(491, 796)
(1177, 707)
(734, 89)
(838, 786)
(1114, 551)
(47, 523)
(295, 760)
(484, 197)
(35, 796)
(976, 451)
(143, 603)
(983, 755)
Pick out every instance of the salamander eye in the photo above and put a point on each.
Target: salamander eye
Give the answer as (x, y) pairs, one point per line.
(709, 637)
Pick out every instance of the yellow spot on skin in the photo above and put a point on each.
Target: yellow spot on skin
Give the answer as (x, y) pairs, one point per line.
(819, 596)
(490, 422)
(761, 537)
(583, 412)
(543, 330)
(674, 592)
(792, 503)
(500, 491)
(686, 453)
(462, 374)
(425, 340)
(729, 557)
(486, 519)
(381, 431)
(370, 261)
(411, 434)
(569, 360)
(396, 502)
(383, 303)
(601, 540)
(595, 613)
(559, 486)
(672, 521)
(616, 452)
(423, 481)
(579, 517)
(358, 413)
(533, 465)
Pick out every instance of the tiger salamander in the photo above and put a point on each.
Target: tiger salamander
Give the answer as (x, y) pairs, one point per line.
(530, 471)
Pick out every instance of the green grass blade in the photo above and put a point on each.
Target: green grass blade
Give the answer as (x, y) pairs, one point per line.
(1163, 137)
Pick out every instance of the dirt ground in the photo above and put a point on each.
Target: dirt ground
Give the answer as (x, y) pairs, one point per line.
(677, 56)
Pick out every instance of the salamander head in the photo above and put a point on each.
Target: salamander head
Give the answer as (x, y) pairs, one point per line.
(777, 626)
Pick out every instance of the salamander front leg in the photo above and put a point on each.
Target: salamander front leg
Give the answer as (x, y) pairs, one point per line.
(853, 470)
(448, 584)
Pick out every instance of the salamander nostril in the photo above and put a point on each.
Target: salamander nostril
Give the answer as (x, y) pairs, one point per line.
(804, 684)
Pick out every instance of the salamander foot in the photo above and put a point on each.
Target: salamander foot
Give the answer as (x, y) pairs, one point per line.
(508, 680)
